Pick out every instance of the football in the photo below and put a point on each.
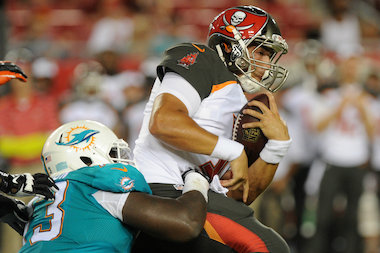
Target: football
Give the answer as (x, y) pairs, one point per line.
(253, 139)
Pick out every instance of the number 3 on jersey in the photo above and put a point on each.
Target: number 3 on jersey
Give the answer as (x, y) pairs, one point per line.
(55, 215)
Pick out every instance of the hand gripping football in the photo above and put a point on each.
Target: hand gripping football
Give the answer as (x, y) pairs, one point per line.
(253, 139)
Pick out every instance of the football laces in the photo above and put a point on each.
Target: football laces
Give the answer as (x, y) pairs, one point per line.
(235, 129)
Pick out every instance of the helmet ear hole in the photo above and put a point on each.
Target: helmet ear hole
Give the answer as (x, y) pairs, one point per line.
(86, 160)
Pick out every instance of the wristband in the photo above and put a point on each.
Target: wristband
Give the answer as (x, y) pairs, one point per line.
(196, 182)
(274, 151)
(226, 149)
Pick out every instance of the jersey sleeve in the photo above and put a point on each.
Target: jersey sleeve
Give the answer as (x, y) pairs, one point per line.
(115, 177)
(198, 64)
(112, 202)
(179, 87)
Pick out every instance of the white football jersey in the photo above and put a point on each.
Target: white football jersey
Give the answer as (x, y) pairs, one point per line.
(160, 163)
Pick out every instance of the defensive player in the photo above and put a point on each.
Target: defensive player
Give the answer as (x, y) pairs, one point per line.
(103, 199)
(189, 118)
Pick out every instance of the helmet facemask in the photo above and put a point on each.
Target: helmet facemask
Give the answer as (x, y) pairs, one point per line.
(121, 153)
(245, 64)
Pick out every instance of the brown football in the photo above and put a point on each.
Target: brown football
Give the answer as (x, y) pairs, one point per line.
(253, 139)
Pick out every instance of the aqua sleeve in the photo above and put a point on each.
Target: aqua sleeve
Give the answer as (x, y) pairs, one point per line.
(114, 177)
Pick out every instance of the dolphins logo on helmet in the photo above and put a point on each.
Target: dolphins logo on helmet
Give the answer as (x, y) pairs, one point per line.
(80, 137)
(79, 140)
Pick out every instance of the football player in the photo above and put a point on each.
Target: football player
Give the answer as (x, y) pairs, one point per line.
(103, 200)
(189, 119)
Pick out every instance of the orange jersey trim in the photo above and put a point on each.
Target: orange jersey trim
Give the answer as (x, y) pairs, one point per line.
(211, 232)
(232, 234)
(221, 86)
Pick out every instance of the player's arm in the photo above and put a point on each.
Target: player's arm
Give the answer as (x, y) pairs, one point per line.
(170, 122)
(9, 70)
(14, 212)
(262, 171)
(27, 184)
(332, 115)
(361, 104)
(178, 219)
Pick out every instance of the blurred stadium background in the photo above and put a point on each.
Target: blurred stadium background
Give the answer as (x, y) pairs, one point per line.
(96, 59)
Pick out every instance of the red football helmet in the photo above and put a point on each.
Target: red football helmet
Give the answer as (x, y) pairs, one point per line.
(236, 29)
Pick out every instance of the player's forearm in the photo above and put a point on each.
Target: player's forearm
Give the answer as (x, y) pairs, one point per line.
(178, 219)
(260, 176)
(367, 120)
(325, 122)
(172, 125)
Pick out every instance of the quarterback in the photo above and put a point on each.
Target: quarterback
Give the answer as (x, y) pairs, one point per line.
(188, 124)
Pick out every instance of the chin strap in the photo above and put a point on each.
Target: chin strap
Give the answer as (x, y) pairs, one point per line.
(237, 36)
(220, 53)
(248, 85)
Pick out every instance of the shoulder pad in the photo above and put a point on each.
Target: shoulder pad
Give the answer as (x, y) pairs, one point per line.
(198, 64)
(115, 177)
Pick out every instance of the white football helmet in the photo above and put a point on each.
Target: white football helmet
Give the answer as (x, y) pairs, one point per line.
(83, 143)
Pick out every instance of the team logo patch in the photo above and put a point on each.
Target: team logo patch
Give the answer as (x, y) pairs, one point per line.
(79, 138)
(188, 60)
(127, 183)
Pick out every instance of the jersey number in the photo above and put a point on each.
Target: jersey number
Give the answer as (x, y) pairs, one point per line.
(55, 215)
(211, 170)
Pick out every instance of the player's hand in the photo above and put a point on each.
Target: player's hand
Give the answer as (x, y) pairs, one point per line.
(14, 212)
(239, 168)
(26, 184)
(271, 123)
(9, 70)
